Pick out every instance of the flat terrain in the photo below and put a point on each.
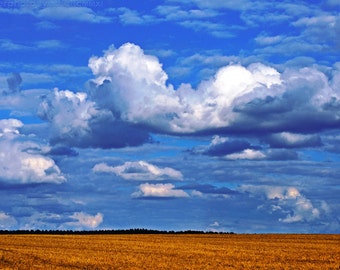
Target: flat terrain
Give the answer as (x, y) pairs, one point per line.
(150, 251)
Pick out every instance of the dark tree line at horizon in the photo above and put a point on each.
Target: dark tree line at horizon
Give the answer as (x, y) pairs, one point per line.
(123, 231)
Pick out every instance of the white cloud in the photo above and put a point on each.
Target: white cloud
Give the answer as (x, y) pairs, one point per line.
(177, 13)
(81, 109)
(137, 89)
(49, 44)
(247, 154)
(129, 61)
(27, 100)
(196, 193)
(51, 10)
(287, 200)
(195, 19)
(103, 168)
(36, 78)
(291, 46)
(84, 220)
(8, 45)
(20, 159)
(133, 85)
(317, 91)
(290, 140)
(70, 115)
(77, 121)
(215, 224)
(8, 126)
(140, 170)
(218, 140)
(217, 4)
(317, 32)
(84, 14)
(17, 165)
(6, 221)
(129, 16)
(160, 191)
(327, 20)
(130, 90)
(215, 29)
(268, 40)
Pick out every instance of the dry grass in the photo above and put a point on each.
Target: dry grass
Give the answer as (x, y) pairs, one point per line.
(202, 251)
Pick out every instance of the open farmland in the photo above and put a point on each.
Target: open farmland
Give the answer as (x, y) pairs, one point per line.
(165, 251)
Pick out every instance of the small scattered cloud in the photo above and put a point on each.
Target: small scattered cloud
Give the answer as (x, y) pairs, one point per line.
(178, 13)
(49, 44)
(85, 221)
(268, 40)
(231, 149)
(229, 4)
(196, 19)
(159, 191)
(215, 29)
(215, 224)
(315, 32)
(9, 45)
(139, 170)
(221, 146)
(83, 14)
(7, 221)
(249, 154)
(46, 25)
(132, 17)
(209, 189)
(292, 140)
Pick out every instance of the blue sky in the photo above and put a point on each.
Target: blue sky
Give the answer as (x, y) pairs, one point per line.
(171, 115)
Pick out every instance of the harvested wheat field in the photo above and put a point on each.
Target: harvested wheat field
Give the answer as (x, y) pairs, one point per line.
(163, 251)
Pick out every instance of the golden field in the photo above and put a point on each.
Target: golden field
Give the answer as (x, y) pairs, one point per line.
(170, 251)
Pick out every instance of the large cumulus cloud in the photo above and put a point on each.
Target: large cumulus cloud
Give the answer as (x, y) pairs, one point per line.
(130, 97)
(133, 86)
(76, 121)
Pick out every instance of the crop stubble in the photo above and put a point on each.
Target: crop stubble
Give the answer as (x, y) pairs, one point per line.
(153, 251)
